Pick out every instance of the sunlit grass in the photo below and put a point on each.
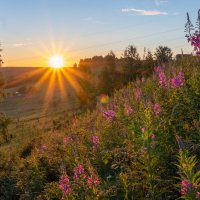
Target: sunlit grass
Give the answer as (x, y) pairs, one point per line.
(57, 84)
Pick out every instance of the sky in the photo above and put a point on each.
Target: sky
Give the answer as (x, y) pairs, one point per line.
(31, 31)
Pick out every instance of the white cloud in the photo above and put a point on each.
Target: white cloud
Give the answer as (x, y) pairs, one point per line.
(21, 44)
(143, 12)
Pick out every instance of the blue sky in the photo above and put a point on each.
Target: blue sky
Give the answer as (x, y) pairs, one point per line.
(32, 30)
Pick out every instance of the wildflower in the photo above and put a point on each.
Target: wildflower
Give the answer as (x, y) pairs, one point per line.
(143, 130)
(162, 79)
(79, 172)
(185, 183)
(66, 140)
(157, 69)
(186, 186)
(138, 94)
(110, 114)
(93, 181)
(156, 109)
(178, 81)
(184, 191)
(153, 136)
(198, 195)
(64, 185)
(127, 109)
(194, 40)
(44, 148)
(95, 141)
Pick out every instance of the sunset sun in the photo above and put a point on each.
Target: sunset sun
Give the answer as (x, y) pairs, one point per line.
(56, 62)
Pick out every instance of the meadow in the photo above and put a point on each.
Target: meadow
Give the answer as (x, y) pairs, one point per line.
(142, 143)
(25, 91)
(138, 140)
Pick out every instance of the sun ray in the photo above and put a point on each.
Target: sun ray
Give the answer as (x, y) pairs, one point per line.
(62, 85)
(72, 81)
(43, 78)
(75, 85)
(49, 95)
(81, 75)
(25, 76)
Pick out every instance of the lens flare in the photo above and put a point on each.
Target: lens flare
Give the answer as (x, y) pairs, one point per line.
(104, 99)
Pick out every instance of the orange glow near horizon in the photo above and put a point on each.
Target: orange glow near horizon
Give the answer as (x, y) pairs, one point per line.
(55, 83)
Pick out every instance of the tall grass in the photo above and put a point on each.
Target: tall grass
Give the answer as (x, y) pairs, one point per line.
(125, 149)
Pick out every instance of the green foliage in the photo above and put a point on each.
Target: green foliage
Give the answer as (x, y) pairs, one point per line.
(51, 192)
(4, 123)
(189, 175)
(133, 151)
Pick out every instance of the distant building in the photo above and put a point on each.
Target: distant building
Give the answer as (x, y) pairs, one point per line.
(183, 56)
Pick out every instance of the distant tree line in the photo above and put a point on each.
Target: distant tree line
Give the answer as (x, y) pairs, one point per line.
(108, 72)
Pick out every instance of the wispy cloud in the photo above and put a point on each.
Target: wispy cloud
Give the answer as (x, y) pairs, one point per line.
(143, 12)
(20, 44)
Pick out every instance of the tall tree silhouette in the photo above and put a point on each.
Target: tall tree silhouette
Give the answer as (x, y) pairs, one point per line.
(131, 62)
(110, 61)
(163, 54)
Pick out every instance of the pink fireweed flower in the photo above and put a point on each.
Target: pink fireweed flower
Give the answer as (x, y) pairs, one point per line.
(66, 140)
(194, 40)
(153, 136)
(110, 114)
(64, 185)
(93, 181)
(185, 183)
(197, 195)
(95, 141)
(187, 186)
(44, 148)
(162, 79)
(127, 109)
(143, 130)
(156, 109)
(178, 81)
(169, 83)
(79, 172)
(157, 69)
(184, 191)
(138, 93)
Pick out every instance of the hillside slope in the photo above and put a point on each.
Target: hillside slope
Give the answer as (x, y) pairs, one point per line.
(137, 145)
